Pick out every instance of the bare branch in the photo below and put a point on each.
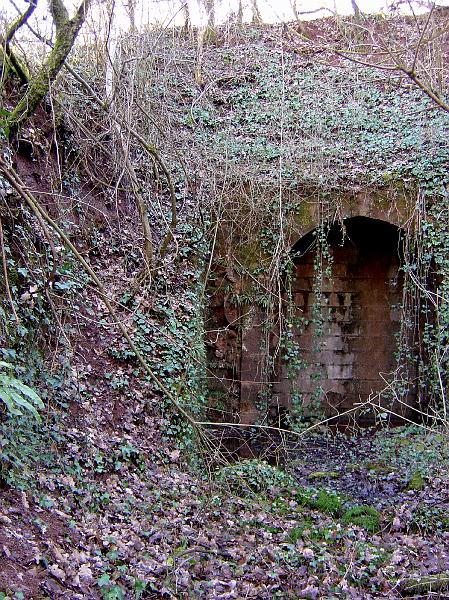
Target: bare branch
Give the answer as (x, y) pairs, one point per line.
(426, 89)
(13, 178)
(421, 37)
(66, 32)
(393, 57)
(21, 19)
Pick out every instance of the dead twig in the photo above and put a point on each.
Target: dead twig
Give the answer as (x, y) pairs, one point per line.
(13, 178)
(5, 275)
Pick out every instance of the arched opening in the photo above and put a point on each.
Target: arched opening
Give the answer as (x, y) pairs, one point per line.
(346, 322)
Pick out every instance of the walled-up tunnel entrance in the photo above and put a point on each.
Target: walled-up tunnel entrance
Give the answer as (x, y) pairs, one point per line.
(339, 339)
(347, 325)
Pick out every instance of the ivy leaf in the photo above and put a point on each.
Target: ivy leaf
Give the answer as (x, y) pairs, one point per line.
(103, 580)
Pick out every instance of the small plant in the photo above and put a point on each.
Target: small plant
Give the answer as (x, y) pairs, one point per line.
(430, 519)
(297, 533)
(16, 396)
(109, 589)
(363, 516)
(255, 476)
(416, 482)
(327, 502)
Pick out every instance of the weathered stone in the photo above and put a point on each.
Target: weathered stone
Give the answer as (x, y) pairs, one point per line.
(358, 322)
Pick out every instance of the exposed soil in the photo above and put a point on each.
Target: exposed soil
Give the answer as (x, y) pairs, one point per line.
(112, 507)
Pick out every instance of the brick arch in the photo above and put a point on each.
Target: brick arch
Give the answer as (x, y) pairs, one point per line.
(361, 322)
(392, 207)
(308, 234)
(354, 354)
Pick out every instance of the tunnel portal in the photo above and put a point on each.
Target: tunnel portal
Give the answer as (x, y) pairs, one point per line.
(348, 346)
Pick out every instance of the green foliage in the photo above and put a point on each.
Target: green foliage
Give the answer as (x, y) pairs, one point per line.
(296, 533)
(23, 445)
(253, 476)
(327, 502)
(430, 518)
(291, 353)
(4, 114)
(310, 529)
(18, 398)
(363, 516)
(317, 322)
(370, 133)
(434, 367)
(24, 440)
(29, 281)
(171, 339)
(416, 482)
(324, 475)
(367, 130)
(110, 590)
(409, 450)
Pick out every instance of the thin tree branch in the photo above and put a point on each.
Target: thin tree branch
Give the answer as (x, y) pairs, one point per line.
(149, 148)
(21, 20)
(13, 178)
(66, 32)
(396, 64)
(11, 31)
(421, 37)
(5, 275)
(426, 89)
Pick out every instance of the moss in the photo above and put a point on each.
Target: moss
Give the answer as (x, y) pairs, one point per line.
(393, 195)
(418, 585)
(379, 467)
(363, 516)
(321, 500)
(324, 475)
(416, 481)
(39, 85)
(251, 255)
(327, 502)
(303, 217)
(6, 65)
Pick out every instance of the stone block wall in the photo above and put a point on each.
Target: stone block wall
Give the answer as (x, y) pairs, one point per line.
(359, 305)
(353, 358)
(223, 341)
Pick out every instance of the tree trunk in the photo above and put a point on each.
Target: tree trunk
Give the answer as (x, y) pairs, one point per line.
(240, 13)
(187, 27)
(66, 32)
(111, 50)
(210, 9)
(357, 12)
(8, 58)
(131, 10)
(256, 18)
